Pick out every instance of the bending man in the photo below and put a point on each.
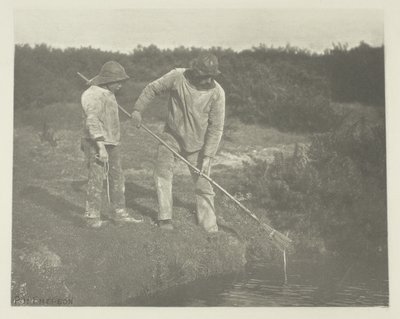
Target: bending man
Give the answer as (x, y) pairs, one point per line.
(195, 120)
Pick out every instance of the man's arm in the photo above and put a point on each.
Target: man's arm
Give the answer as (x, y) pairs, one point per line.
(157, 87)
(92, 106)
(215, 125)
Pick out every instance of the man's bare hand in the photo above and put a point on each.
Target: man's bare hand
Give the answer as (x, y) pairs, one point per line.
(103, 155)
(137, 118)
(206, 166)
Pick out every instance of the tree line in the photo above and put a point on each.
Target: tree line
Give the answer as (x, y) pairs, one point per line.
(287, 87)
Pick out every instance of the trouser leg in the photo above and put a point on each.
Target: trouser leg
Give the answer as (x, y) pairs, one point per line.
(204, 196)
(95, 182)
(116, 178)
(163, 176)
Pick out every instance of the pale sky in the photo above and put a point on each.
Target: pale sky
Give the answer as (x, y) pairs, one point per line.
(123, 30)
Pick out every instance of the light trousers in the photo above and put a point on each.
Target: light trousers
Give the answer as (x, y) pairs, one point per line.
(163, 176)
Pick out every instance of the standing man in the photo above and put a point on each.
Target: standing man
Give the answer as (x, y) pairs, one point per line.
(100, 142)
(194, 126)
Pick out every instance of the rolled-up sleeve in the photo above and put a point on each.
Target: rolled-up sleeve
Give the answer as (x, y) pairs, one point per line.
(92, 106)
(157, 87)
(215, 125)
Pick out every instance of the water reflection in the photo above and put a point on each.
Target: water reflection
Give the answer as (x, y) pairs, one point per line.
(263, 285)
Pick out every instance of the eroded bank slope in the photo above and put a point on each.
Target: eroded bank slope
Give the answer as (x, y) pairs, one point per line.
(55, 256)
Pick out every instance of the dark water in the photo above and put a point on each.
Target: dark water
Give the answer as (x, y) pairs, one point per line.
(263, 285)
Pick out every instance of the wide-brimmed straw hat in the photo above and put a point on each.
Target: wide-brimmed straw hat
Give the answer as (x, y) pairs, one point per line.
(111, 71)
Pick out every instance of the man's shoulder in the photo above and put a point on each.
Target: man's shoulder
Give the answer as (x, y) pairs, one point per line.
(179, 70)
(172, 75)
(177, 73)
(218, 88)
(93, 92)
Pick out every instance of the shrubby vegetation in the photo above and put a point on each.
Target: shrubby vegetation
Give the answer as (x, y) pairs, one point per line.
(357, 74)
(333, 189)
(288, 88)
(282, 93)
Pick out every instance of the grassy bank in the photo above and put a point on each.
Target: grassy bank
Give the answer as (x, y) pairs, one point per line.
(55, 254)
(269, 170)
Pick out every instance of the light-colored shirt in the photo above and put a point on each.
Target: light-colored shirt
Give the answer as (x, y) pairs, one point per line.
(100, 115)
(195, 116)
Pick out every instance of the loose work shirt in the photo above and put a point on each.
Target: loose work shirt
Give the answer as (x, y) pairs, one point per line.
(100, 115)
(195, 116)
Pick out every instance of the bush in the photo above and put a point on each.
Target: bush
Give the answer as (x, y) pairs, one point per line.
(357, 74)
(280, 93)
(333, 190)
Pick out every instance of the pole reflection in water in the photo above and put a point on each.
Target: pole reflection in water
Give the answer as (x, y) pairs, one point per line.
(264, 285)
